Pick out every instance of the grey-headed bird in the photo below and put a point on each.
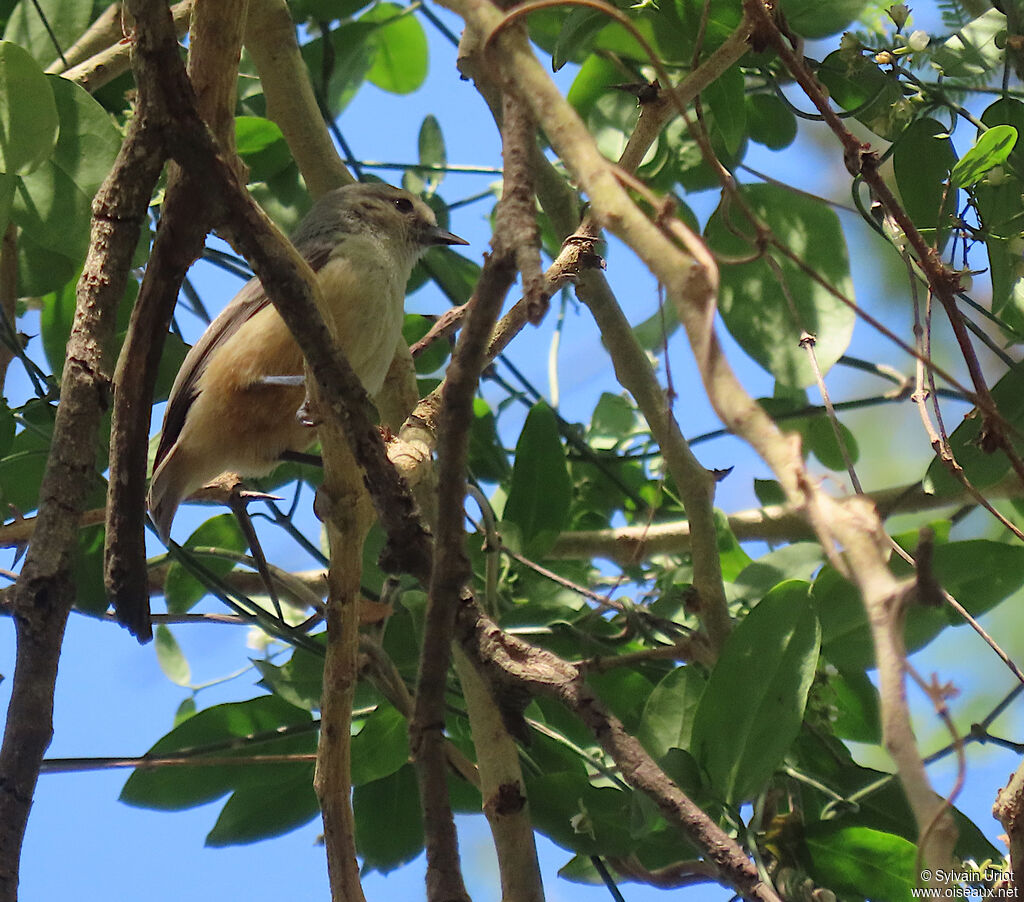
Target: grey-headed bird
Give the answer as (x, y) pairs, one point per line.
(233, 406)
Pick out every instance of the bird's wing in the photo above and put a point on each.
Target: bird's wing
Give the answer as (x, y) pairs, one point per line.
(243, 307)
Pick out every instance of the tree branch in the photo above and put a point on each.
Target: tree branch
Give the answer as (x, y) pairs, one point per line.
(188, 214)
(44, 592)
(291, 103)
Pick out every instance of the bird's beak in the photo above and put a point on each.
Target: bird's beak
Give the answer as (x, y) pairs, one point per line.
(441, 236)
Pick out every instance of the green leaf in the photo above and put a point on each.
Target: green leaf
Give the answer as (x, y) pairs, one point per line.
(862, 861)
(820, 440)
(8, 426)
(185, 710)
(28, 113)
(53, 204)
(974, 51)
(41, 270)
(432, 151)
(53, 212)
(487, 460)
(619, 688)
(389, 821)
(171, 658)
(714, 20)
(175, 788)
(979, 573)
(21, 469)
(89, 140)
(299, 681)
(541, 489)
(66, 18)
(798, 560)
(399, 49)
(87, 571)
(434, 357)
(381, 747)
(351, 51)
(769, 492)
(884, 808)
(1001, 209)
(580, 816)
(454, 274)
(274, 807)
(992, 148)
(770, 122)
(814, 19)
(577, 36)
(753, 304)
(594, 78)
(984, 468)
(753, 706)
(667, 718)
(58, 312)
(613, 421)
(181, 589)
(921, 161)
(858, 85)
(724, 96)
(857, 716)
(262, 147)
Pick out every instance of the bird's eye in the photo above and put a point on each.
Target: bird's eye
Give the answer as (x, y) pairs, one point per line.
(403, 204)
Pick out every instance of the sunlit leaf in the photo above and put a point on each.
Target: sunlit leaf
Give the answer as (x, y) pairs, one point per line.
(992, 148)
(28, 112)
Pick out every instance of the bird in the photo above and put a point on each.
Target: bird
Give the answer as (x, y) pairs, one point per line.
(233, 406)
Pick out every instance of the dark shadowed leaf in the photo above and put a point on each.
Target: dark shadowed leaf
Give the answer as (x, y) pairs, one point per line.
(181, 588)
(768, 318)
(753, 706)
(921, 162)
(667, 718)
(220, 728)
(282, 803)
(389, 822)
(538, 499)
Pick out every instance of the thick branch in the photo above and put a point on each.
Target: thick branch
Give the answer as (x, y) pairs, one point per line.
(270, 40)
(44, 593)
(449, 574)
(188, 214)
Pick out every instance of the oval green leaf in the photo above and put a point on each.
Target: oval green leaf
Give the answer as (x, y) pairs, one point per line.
(181, 589)
(770, 122)
(275, 806)
(389, 821)
(753, 706)
(814, 19)
(541, 489)
(992, 148)
(861, 861)
(922, 161)
(170, 657)
(28, 112)
(176, 788)
(755, 307)
(399, 49)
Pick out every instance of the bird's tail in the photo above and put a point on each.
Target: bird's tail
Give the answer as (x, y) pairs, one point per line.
(166, 490)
